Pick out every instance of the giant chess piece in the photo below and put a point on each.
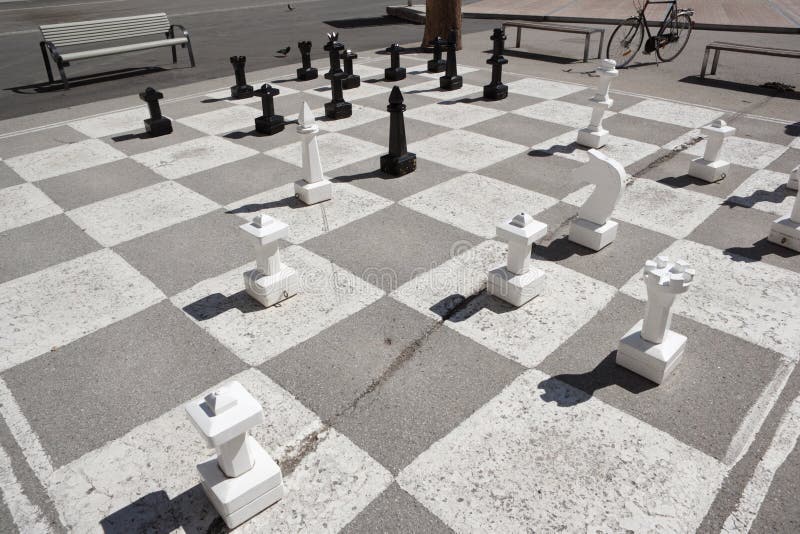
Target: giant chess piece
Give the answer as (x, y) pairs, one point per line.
(437, 64)
(352, 80)
(268, 123)
(337, 108)
(650, 348)
(395, 72)
(306, 72)
(315, 187)
(710, 168)
(242, 479)
(399, 160)
(595, 136)
(334, 49)
(496, 90)
(271, 281)
(451, 80)
(785, 231)
(157, 124)
(241, 89)
(794, 179)
(517, 282)
(594, 228)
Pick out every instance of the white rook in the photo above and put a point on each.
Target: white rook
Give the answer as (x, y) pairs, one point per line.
(315, 187)
(710, 168)
(785, 231)
(794, 179)
(242, 479)
(595, 136)
(650, 348)
(271, 281)
(594, 228)
(517, 282)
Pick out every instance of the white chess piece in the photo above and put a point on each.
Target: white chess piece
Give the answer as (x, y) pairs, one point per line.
(242, 480)
(593, 228)
(794, 179)
(650, 348)
(271, 281)
(594, 135)
(517, 282)
(710, 168)
(315, 187)
(785, 231)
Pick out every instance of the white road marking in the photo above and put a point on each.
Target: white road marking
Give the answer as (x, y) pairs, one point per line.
(26, 438)
(27, 516)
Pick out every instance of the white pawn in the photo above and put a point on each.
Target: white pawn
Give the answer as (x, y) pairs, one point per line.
(794, 179)
(315, 187)
(710, 168)
(650, 348)
(785, 231)
(517, 282)
(271, 281)
(593, 228)
(595, 136)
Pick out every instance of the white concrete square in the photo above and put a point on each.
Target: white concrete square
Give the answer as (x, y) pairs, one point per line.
(464, 150)
(113, 123)
(335, 149)
(766, 191)
(625, 151)
(422, 70)
(65, 302)
(745, 152)
(559, 112)
(256, 334)
(367, 72)
(546, 89)
(751, 300)
(227, 119)
(553, 458)
(63, 159)
(673, 113)
(431, 89)
(685, 140)
(225, 94)
(476, 203)
(453, 114)
(176, 161)
(361, 115)
(649, 204)
(117, 219)
(23, 204)
(362, 91)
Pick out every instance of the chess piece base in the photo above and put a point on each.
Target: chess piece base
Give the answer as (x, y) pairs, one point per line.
(516, 289)
(654, 361)
(313, 192)
(598, 139)
(394, 75)
(156, 127)
(307, 74)
(448, 83)
(437, 66)
(269, 125)
(241, 91)
(709, 171)
(338, 110)
(351, 82)
(239, 498)
(495, 92)
(592, 235)
(399, 165)
(792, 184)
(786, 233)
(270, 290)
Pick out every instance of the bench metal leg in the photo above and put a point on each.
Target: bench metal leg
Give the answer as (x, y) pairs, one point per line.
(171, 34)
(705, 63)
(600, 46)
(586, 48)
(519, 36)
(64, 79)
(46, 62)
(716, 60)
(189, 49)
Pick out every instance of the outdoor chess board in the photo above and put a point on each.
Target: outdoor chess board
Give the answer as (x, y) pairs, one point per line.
(393, 386)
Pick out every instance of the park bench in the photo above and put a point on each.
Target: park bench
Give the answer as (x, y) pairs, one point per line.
(55, 37)
(742, 48)
(546, 26)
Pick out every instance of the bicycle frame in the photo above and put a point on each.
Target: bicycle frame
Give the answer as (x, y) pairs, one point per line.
(671, 12)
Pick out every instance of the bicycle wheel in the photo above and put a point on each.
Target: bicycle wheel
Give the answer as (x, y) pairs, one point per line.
(625, 41)
(675, 37)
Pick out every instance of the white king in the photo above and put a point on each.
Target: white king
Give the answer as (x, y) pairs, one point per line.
(315, 187)
(595, 136)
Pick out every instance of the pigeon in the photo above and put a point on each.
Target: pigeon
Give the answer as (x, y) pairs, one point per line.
(283, 51)
(290, 7)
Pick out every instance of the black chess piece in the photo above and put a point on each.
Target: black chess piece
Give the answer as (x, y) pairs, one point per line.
(334, 49)
(241, 89)
(437, 64)
(496, 90)
(451, 80)
(306, 72)
(399, 160)
(268, 123)
(337, 108)
(157, 124)
(395, 72)
(352, 80)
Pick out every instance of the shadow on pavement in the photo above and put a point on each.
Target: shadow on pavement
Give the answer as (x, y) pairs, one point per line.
(365, 22)
(742, 87)
(87, 79)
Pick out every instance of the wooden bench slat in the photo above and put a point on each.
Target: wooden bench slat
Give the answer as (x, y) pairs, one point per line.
(99, 52)
(160, 16)
(99, 36)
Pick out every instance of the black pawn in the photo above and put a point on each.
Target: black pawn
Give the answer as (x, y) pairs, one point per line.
(496, 90)
(241, 89)
(306, 72)
(268, 123)
(395, 72)
(157, 124)
(451, 80)
(399, 160)
(437, 64)
(334, 49)
(352, 80)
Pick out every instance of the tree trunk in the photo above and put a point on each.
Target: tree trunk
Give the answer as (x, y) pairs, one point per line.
(440, 17)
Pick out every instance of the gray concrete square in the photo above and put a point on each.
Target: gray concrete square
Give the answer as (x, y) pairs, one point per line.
(287, 105)
(519, 129)
(380, 102)
(780, 512)
(256, 140)
(546, 174)
(395, 512)
(673, 172)
(378, 132)
(761, 130)
(139, 141)
(646, 130)
(786, 162)
(35, 141)
(8, 177)
(510, 103)
(187, 107)
(620, 101)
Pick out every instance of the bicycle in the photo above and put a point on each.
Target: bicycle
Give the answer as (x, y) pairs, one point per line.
(672, 37)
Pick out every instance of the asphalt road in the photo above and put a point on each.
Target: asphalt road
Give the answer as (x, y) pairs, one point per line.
(218, 30)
